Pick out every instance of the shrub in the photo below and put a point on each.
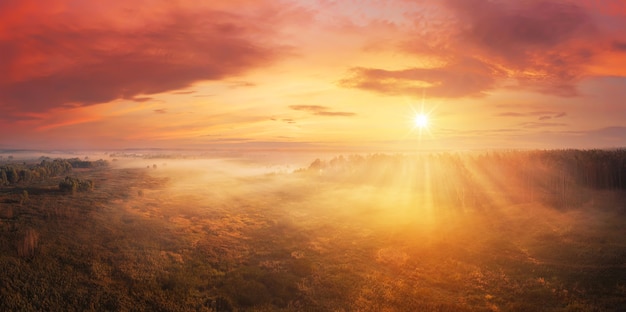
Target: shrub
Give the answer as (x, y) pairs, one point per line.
(74, 184)
(24, 197)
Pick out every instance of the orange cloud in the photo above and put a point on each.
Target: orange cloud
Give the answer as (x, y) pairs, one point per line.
(468, 77)
(539, 45)
(66, 59)
(320, 110)
(122, 73)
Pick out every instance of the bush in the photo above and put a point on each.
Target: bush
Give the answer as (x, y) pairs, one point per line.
(74, 184)
(24, 197)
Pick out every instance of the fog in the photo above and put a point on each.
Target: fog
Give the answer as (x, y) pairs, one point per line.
(404, 203)
(513, 231)
(455, 194)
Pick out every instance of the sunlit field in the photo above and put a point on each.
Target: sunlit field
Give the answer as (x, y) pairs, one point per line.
(488, 231)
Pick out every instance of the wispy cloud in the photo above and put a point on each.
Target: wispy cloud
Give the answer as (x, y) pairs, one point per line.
(141, 99)
(535, 125)
(320, 110)
(184, 92)
(241, 84)
(542, 115)
(468, 77)
(511, 114)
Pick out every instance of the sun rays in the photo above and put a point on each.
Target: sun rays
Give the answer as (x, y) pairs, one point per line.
(421, 119)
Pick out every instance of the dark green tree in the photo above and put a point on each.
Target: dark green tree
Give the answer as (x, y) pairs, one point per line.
(73, 185)
(12, 175)
(3, 177)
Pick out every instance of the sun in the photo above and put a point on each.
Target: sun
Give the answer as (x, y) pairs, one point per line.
(421, 121)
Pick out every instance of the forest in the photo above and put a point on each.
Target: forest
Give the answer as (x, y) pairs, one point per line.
(474, 231)
(556, 177)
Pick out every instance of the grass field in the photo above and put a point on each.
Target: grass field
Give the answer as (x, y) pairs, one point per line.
(216, 236)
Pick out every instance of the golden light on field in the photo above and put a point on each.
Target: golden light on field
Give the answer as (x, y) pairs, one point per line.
(263, 155)
(266, 229)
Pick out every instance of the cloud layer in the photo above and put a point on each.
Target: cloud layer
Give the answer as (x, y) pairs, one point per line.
(169, 73)
(544, 46)
(68, 58)
(467, 77)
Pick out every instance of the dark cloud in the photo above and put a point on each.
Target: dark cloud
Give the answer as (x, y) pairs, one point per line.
(538, 41)
(516, 30)
(161, 111)
(320, 110)
(82, 64)
(619, 46)
(468, 77)
(141, 99)
(539, 45)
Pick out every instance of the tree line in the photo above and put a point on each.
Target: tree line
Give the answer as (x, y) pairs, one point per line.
(13, 174)
(558, 177)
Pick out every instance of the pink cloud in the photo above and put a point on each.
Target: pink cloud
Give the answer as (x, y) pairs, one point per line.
(78, 57)
(543, 43)
(468, 77)
(539, 45)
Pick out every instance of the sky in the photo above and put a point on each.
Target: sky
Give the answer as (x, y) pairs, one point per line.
(312, 74)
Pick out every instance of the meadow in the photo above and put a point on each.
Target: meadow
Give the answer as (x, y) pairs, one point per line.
(489, 231)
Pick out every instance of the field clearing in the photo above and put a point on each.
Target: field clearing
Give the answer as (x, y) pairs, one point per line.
(178, 239)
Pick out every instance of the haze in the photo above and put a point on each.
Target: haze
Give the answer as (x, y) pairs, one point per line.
(313, 155)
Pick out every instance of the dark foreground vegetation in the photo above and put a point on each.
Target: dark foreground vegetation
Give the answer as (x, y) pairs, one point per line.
(514, 231)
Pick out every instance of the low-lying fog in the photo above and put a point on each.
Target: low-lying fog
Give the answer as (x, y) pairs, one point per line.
(518, 231)
(419, 191)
